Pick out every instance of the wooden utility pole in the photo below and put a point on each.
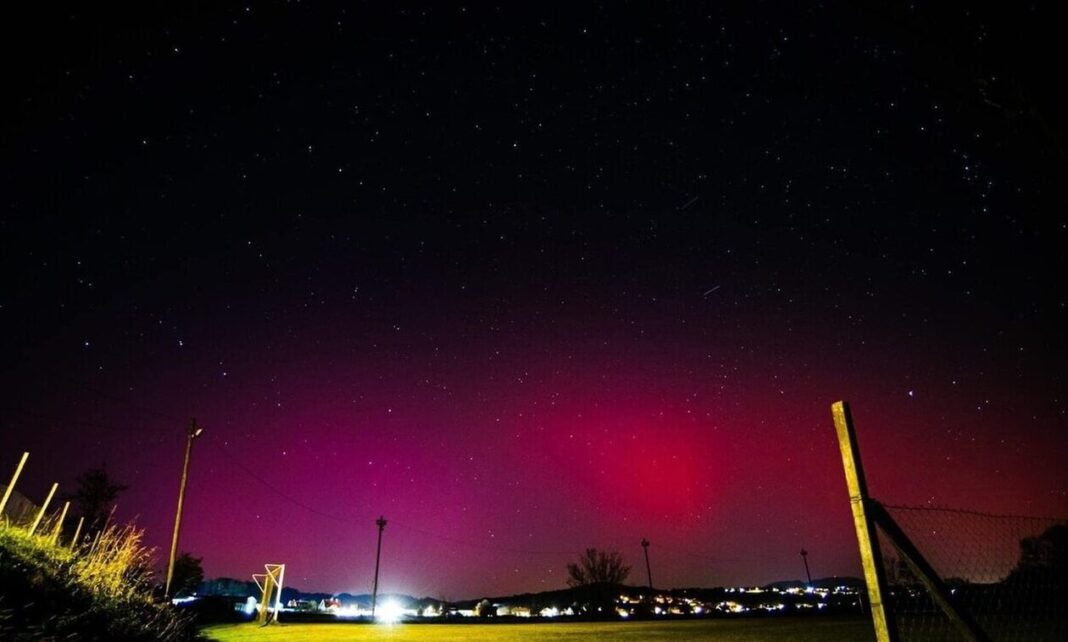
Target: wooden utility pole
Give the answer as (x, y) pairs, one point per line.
(804, 557)
(381, 522)
(648, 572)
(193, 432)
(870, 556)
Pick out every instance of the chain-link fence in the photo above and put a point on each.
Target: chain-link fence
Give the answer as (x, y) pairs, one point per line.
(1008, 573)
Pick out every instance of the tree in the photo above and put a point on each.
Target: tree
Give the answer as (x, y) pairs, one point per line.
(1044, 556)
(485, 608)
(95, 496)
(597, 567)
(1041, 571)
(188, 574)
(1046, 551)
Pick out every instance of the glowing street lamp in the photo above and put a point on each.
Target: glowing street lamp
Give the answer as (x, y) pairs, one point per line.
(194, 432)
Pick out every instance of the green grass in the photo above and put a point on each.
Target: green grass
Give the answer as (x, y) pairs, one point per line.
(751, 630)
(103, 592)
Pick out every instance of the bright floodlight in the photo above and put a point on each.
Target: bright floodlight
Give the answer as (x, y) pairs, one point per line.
(389, 612)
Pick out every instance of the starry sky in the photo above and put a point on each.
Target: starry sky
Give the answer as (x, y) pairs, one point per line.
(526, 281)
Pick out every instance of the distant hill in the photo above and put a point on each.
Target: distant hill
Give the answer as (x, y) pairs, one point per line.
(560, 597)
(230, 587)
(824, 582)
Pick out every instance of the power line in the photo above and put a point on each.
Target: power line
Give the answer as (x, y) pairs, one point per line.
(277, 491)
(45, 419)
(461, 542)
(271, 488)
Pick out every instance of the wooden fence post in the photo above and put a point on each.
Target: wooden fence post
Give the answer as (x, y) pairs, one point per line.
(11, 486)
(870, 556)
(44, 507)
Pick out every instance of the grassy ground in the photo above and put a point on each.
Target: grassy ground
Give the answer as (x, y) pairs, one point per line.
(103, 592)
(754, 630)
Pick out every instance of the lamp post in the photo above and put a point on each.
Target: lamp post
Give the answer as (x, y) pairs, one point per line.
(804, 556)
(194, 432)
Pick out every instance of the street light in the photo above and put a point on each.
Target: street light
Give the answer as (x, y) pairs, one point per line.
(194, 432)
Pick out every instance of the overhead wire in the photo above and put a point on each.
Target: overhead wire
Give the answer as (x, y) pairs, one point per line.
(260, 479)
(331, 516)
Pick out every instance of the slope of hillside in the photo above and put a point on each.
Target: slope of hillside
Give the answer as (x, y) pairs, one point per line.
(49, 592)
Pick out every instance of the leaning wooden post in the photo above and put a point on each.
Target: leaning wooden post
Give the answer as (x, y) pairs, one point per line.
(278, 602)
(11, 486)
(264, 582)
(77, 532)
(870, 556)
(59, 524)
(44, 507)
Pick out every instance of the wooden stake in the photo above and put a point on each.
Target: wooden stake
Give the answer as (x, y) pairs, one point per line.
(77, 532)
(870, 555)
(59, 524)
(281, 570)
(44, 507)
(11, 486)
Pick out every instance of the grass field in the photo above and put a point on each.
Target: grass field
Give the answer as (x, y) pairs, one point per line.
(754, 630)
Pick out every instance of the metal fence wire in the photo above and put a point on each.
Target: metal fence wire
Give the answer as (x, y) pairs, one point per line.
(1010, 573)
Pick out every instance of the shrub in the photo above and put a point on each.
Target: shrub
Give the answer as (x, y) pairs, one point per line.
(98, 592)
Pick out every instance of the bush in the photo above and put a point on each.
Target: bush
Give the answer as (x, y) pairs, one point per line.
(48, 592)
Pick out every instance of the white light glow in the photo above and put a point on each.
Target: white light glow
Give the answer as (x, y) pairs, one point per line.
(389, 612)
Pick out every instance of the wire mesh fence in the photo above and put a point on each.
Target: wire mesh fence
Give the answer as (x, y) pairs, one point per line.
(1010, 573)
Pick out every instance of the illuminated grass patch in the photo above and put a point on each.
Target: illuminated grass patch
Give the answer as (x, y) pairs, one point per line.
(755, 630)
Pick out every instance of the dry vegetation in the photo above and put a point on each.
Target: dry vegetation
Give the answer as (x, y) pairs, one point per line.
(99, 591)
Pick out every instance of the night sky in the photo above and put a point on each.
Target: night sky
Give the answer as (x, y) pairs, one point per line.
(530, 281)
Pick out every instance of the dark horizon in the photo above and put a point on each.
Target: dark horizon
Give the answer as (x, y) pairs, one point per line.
(527, 281)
